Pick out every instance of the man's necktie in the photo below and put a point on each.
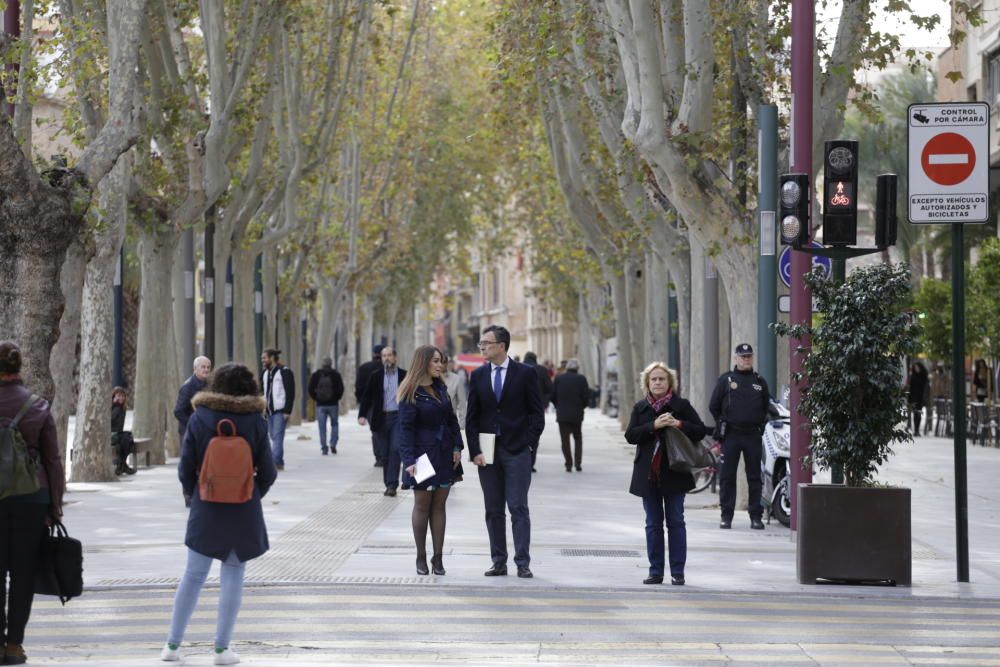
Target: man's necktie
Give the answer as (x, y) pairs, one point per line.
(497, 383)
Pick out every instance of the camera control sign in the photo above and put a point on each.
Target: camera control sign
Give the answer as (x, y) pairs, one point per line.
(949, 170)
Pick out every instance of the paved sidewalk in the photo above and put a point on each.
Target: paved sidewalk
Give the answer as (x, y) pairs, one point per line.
(329, 524)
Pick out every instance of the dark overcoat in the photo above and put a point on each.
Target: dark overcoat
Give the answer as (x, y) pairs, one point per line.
(570, 395)
(215, 529)
(640, 433)
(428, 425)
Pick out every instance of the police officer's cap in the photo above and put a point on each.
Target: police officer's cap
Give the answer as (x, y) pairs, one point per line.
(744, 350)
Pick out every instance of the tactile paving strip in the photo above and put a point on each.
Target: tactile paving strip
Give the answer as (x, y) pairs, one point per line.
(312, 551)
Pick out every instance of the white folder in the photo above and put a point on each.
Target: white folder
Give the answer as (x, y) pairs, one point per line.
(425, 469)
(487, 443)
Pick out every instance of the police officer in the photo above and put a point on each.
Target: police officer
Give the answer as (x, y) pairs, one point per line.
(739, 405)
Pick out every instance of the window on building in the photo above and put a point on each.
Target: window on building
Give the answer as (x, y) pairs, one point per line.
(994, 70)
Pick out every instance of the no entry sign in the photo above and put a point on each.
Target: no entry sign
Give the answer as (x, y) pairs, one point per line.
(948, 162)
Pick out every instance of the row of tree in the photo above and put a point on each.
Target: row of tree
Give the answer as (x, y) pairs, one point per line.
(648, 111)
(334, 139)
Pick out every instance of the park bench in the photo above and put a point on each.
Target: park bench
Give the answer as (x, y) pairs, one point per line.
(142, 446)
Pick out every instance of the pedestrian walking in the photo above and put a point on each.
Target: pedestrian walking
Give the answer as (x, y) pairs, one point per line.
(429, 427)
(278, 384)
(458, 392)
(202, 368)
(226, 522)
(739, 406)
(326, 388)
(363, 374)
(28, 436)
(570, 395)
(545, 388)
(662, 490)
(504, 400)
(917, 382)
(122, 442)
(379, 402)
(982, 381)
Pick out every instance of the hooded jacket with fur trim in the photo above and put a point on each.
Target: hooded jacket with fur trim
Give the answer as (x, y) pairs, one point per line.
(216, 529)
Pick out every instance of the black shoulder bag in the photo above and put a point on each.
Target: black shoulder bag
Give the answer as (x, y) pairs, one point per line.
(60, 565)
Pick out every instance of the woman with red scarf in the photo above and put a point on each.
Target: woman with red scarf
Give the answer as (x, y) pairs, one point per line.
(662, 490)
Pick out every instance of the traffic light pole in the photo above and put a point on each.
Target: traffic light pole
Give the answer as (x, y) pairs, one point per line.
(802, 62)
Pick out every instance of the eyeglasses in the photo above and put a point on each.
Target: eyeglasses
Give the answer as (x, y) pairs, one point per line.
(486, 343)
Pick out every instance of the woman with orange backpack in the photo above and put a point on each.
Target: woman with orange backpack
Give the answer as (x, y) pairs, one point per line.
(226, 467)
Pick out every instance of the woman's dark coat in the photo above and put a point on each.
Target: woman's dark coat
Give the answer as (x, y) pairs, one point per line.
(429, 426)
(640, 432)
(215, 529)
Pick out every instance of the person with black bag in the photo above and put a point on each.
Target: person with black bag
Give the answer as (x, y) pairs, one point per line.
(662, 488)
(32, 482)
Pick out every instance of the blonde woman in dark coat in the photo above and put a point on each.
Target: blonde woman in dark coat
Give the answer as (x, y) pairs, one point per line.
(662, 490)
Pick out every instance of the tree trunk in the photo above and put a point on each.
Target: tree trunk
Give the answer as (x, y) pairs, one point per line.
(348, 364)
(697, 392)
(657, 294)
(177, 293)
(92, 438)
(63, 362)
(244, 342)
(635, 288)
(623, 334)
(154, 401)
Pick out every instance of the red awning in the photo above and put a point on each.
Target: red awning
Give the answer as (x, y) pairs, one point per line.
(470, 361)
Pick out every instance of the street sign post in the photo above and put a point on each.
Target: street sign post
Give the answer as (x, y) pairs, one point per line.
(949, 166)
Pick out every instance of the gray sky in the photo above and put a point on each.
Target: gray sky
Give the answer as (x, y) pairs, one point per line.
(898, 23)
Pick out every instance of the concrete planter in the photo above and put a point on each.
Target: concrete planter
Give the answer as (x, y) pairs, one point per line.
(853, 534)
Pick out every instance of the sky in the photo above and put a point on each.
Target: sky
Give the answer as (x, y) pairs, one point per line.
(910, 35)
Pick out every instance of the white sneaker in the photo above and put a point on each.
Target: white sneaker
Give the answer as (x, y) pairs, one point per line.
(170, 654)
(227, 657)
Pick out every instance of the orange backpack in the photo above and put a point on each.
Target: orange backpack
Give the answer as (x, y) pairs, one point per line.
(227, 470)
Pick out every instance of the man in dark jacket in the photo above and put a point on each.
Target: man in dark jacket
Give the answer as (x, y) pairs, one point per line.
(199, 377)
(379, 402)
(570, 395)
(504, 401)
(545, 387)
(278, 384)
(364, 374)
(739, 405)
(326, 387)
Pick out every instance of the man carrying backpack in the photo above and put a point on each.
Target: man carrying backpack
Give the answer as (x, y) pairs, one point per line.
(326, 387)
(31, 490)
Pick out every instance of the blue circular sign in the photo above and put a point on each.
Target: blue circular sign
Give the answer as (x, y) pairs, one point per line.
(785, 264)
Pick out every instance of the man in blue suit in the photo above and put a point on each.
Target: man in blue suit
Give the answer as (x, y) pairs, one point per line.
(504, 399)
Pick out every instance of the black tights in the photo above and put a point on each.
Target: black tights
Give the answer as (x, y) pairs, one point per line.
(428, 508)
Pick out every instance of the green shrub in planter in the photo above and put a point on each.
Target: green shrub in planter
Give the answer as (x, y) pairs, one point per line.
(855, 402)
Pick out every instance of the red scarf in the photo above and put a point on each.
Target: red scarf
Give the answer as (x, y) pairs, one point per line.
(657, 404)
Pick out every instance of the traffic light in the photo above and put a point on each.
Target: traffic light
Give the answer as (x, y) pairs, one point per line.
(840, 193)
(795, 199)
(885, 210)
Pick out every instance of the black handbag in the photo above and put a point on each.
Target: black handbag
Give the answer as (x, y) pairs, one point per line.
(682, 454)
(60, 565)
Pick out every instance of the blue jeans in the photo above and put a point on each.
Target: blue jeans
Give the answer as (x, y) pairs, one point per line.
(331, 412)
(276, 429)
(670, 508)
(230, 596)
